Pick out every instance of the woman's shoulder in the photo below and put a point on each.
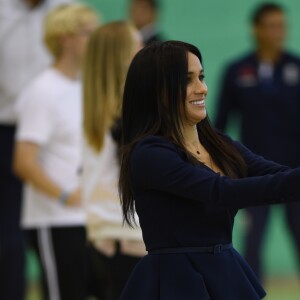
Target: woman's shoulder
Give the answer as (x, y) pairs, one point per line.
(154, 139)
(149, 147)
(154, 142)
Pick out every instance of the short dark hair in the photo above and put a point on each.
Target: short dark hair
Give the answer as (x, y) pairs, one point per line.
(263, 9)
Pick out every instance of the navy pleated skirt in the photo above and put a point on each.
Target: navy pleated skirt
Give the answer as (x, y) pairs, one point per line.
(193, 276)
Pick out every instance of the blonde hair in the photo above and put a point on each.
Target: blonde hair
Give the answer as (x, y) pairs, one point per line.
(109, 53)
(65, 19)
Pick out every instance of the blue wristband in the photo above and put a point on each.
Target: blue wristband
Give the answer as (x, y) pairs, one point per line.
(63, 197)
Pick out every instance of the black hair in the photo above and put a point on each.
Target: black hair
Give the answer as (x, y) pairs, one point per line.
(263, 9)
(154, 96)
(154, 86)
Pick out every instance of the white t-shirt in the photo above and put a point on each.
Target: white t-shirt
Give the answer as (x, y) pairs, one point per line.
(22, 52)
(49, 114)
(100, 194)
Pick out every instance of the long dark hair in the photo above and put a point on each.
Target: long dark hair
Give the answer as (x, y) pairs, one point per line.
(154, 95)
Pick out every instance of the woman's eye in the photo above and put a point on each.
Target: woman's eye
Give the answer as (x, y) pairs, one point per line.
(201, 77)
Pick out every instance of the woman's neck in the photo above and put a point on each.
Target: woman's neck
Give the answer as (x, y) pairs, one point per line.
(190, 135)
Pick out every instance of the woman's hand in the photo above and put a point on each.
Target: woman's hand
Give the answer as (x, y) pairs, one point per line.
(74, 198)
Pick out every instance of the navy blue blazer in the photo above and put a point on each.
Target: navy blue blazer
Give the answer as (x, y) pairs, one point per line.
(184, 205)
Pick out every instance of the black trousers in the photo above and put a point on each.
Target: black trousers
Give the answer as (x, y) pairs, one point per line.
(62, 255)
(108, 275)
(259, 217)
(12, 258)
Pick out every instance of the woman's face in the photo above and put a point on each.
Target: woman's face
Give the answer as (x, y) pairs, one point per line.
(196, 92)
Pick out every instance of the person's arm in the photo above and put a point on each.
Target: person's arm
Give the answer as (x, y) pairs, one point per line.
(37, 123)
(156, 165)
(27, 167)
(258, 165)
(227, 99)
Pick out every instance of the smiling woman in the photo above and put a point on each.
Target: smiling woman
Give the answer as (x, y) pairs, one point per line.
(187, 182)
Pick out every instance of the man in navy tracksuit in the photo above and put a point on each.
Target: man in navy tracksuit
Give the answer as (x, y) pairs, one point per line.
(263, 87)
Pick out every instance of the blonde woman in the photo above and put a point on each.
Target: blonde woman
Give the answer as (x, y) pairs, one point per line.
(115, 248)
(48, 155)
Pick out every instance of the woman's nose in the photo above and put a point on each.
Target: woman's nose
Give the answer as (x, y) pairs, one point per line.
(201, 87)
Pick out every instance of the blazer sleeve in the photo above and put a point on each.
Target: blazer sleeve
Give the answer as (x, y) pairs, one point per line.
(157, 165)
(258, 165)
